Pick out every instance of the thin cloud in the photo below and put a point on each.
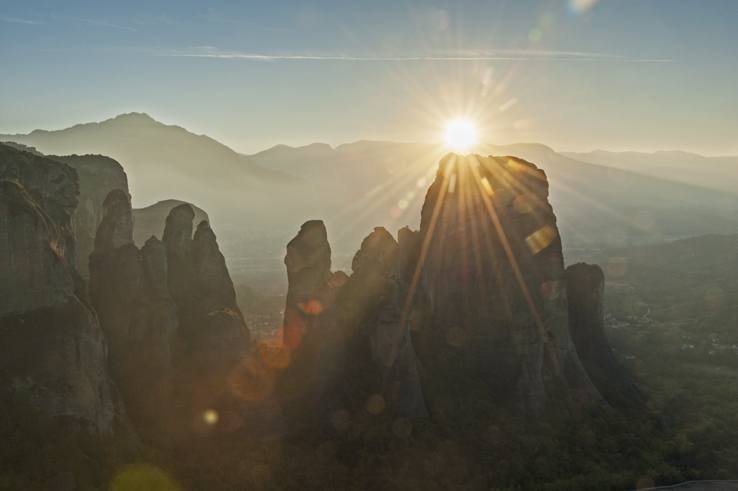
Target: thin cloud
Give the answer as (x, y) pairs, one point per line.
(17, 20)
(471, 56)
(96, 22)
(216, 18)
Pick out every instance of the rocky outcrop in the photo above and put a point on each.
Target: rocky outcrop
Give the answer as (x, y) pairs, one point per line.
(479, 292)
(585, 285)
(98, 175)
(214, 336)
(490, 287)
(149, 221)
(308, 263)
(351, 354)
(375, 296)
(128, 290)
(52, 350)
(170, 313)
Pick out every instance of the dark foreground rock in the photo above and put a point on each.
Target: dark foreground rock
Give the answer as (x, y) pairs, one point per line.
(479, 293)
(170, 313)
(149, 221)
(351, 356)
(52, 350)
(98, 175)
(57, 398)
(489, 289)
(585, 285)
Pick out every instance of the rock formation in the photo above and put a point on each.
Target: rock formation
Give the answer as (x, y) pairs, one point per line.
(149, 221)
(585, 285)
(479, 292)
(52, 350)
(308, 263)
(489, 286)
(170, 313)
(213, 334)
(351, 355)
(98, 175)
(128, 289)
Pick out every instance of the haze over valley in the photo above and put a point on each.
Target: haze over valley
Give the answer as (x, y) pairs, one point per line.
(604, 199)
(470, 245)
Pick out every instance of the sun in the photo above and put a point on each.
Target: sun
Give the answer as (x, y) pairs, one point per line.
(460, 135)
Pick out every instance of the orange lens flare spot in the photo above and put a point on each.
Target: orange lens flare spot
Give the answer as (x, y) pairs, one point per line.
(210, 417)
(540, 239)
(274, 356)
(551, 290)
(143, 476)
(375, 404)
(251, 380)
(487, 186)
(310, 307)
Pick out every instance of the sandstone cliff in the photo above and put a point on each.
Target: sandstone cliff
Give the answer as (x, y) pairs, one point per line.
(490, 287)
(170, 313)
(98, 175)
(479, 292)
(52, 350)
(351, 355)
(129, 292)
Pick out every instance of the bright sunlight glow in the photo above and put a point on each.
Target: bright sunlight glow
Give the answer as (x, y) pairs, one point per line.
(460, 135)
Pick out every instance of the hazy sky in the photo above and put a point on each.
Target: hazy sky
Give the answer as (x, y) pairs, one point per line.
(574, 74)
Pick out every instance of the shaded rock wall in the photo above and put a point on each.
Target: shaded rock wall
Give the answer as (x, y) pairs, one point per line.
(479, 293)
(98, 175)
(585, 285)
(308, 263)
(128, 290)
(213, 335)
(490, 287)
(170, 313)
(353, 358)
(52, 350)
(149, 221)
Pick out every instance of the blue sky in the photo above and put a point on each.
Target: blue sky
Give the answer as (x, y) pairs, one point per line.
(574, 74)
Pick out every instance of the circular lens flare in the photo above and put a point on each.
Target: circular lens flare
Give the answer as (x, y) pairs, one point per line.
(460, 135)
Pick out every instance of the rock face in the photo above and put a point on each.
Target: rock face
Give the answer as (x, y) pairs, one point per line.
(213, 335)
(490, 287)
(352, 357)
(129, 292)
(585, 285)
(52, 350)
(375, 295)
(170, 313)
(149, 221)
(479, 293)
(308, 263)
(98, 175)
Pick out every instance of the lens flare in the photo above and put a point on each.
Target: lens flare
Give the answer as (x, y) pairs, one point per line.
(460, 135)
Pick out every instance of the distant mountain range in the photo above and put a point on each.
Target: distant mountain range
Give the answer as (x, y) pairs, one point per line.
(603, 199)
(711, 172)
(158, 158)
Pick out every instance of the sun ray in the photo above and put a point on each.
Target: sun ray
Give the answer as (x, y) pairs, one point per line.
(425, 246)
(510, 256)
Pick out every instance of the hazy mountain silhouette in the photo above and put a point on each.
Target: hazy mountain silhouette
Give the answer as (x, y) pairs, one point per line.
(158, 158)
(260, 199)
(149, 220)
(598, 205)
(711, 172)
